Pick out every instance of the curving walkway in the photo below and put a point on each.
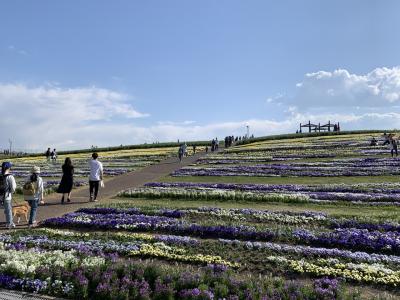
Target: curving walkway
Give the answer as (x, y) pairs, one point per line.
(113, 185)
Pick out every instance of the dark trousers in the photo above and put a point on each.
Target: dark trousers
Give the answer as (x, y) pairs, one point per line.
(394, 150)
(93, 185)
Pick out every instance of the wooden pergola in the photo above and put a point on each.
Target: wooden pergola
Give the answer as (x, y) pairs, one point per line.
(318, 127)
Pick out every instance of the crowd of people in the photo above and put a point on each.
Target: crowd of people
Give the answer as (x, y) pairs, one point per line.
(33, 188)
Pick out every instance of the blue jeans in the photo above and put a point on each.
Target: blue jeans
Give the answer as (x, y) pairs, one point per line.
(8, 212)
(34, 205)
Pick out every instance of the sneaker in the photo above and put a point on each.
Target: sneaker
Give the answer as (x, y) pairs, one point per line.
(34, 224)
(95, 200)
(10, 226)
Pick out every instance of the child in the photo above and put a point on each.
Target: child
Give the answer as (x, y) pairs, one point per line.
(33, 193)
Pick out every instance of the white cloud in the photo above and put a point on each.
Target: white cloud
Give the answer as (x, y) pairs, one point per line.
(340, 88)
(12, 48)
(187, 122)
(35, 117)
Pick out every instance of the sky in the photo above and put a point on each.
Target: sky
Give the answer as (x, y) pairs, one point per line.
(80, 73)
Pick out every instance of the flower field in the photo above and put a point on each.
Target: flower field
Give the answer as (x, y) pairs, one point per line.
(100, 265)
(221, 237)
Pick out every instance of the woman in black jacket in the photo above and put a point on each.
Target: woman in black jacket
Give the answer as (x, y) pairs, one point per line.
(67, 180)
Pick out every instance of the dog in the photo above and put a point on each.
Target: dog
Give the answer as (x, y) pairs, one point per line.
(21, 210)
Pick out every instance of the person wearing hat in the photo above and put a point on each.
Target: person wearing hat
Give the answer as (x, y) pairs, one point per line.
(36, 194)
(9, 189)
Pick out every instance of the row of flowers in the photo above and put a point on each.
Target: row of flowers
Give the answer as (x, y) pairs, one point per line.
(361, 188)
(221, 194)
(308, 251)
(26, 262)
(353, 238)
(244, 214)
(155, 223)
(369, 273)
(93, 247)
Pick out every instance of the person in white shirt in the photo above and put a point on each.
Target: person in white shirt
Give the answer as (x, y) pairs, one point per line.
(9, 189)
(96, 175)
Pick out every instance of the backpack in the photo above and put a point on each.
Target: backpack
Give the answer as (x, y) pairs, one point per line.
(3, 185)
(29, 188)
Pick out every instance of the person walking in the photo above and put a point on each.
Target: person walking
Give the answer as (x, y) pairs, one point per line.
(48, 154)
(54, 155)
(7, 187)
(96, 175)
(393, 145)
(180, 153)
(33, 193)
(67, 180)
(194, 149)
(185, 152)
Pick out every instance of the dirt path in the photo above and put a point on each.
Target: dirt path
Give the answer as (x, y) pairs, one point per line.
(80, 196)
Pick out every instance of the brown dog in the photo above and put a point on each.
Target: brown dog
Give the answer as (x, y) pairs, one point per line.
(21, 210)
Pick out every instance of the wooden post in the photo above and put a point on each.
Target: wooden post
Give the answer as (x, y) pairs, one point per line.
(319, 127)
(329, 125)
(309, 126)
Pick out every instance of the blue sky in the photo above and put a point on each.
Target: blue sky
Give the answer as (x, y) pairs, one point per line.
(194, 69)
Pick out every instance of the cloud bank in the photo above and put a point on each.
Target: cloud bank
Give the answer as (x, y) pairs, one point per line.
(46, 115)
(340, 88)
(69, 118)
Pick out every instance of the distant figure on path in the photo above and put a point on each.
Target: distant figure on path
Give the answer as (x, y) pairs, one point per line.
(7, 187)
(96, 175)
(53, 155)
(374, 142)
(48, 154)
(33, 193)
(67, 180)
(212, 145)
(180, 153)
(393, 145)
(194, 149)
(185, 152)
(206, 149)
